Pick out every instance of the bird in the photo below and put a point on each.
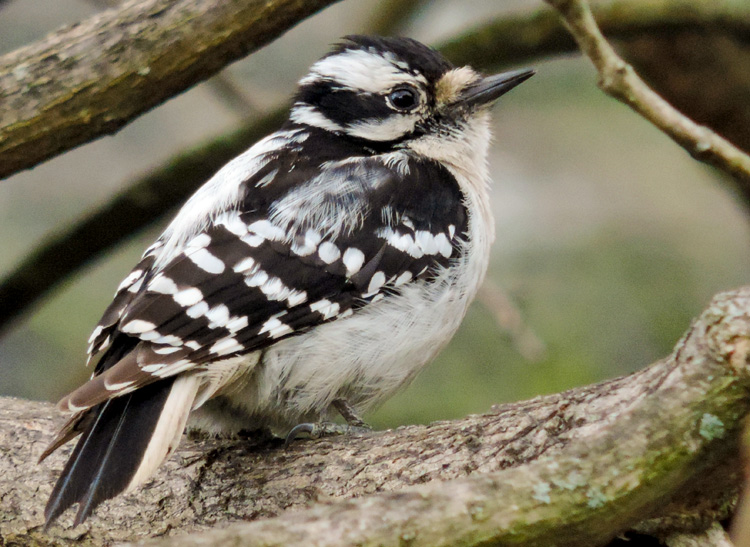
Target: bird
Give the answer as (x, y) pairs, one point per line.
(314, 274)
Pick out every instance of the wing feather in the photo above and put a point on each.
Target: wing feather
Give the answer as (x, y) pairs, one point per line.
(260, 273)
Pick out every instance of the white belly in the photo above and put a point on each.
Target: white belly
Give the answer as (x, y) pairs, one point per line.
(364, 359)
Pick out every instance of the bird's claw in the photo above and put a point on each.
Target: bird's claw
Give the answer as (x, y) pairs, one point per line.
(324, 429)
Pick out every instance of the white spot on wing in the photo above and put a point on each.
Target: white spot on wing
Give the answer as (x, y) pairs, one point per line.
(257, 279)
(376, 282)
(188, 297)
(135, 287)
(163, 285)
(403, 278)
(275, 328)
(353, 259)
(137, 326)
(296, 298)
(232, 222)
(403, 242)
(252, 240)
(444, 246)
(206, 261)
(308, 245)
(274, 289)
(170, 339)
(118, 386)
(244, 265)
(426, 242)
(328, 252)
(197, 310)
(218, 316)
(326, 308)
(164, 350)
(226, 345)
(129, 280)
(97, 332)
(199, 242)
(266, 230)
(151, 369)
(236, 323)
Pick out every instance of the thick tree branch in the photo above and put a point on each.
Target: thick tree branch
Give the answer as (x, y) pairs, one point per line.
(618, 79)
(498, 43)
(656, 451)
(140, 205)
(90, 79)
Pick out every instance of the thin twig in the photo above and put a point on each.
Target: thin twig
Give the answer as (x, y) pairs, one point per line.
(510, 320)
(618, 79)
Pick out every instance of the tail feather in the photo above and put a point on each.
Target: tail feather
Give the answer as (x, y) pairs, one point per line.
(124, 443)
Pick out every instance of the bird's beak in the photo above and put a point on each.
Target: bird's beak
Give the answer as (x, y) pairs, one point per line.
(490, 88)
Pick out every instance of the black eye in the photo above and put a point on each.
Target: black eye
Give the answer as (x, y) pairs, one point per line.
(403, 98)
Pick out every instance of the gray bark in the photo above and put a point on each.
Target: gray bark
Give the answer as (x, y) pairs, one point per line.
(90, 79)
(656, 451)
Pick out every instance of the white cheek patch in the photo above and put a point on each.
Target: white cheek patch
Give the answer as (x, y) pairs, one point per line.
(308, 115)
(389, 129)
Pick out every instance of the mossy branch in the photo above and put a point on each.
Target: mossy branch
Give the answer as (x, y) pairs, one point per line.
(655, 452)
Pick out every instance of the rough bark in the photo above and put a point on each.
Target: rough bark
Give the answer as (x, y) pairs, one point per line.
(656, 451)
(89, 79)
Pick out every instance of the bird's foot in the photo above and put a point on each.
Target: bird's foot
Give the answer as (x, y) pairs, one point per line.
(354, 425)
(324, 429)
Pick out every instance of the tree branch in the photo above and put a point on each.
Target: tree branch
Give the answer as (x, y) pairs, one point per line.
(498, 43)
(657, 450)
(137, 207)
(618, 79)
(90, 79)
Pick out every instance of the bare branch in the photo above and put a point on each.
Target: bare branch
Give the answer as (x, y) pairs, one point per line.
(657, 450)
(137, 207)
(90, 79)
(498, 43)
(618, 79)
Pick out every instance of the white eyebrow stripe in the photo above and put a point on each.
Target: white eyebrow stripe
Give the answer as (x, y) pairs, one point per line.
(363, 70)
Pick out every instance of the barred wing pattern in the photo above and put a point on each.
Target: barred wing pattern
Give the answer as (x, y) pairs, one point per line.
(259, 272)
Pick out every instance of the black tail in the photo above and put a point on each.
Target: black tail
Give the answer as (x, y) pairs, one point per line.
(110, 450)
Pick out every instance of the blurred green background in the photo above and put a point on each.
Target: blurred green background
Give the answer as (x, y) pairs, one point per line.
(609, 237)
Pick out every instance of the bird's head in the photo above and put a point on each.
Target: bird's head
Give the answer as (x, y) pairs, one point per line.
(394, 91)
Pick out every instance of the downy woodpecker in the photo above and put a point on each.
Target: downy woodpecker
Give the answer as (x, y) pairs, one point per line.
(318, 271)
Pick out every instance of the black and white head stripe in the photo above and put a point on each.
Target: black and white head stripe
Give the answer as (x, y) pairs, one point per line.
(358, 88)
